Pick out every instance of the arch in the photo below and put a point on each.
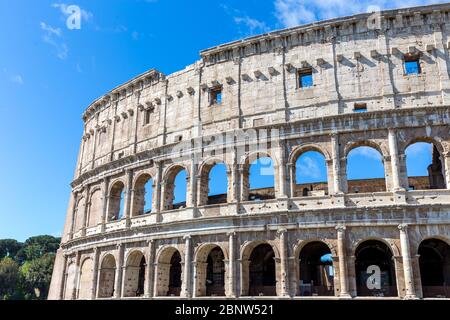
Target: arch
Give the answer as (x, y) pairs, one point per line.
(316, 269)
(169, 272)
(79, 213)
(310, 171)
(107, 277)
(95, 208)
(170, 187)
(262, 277)
(86, 279)
(433, 176)
(375, 269)
(143, 190)
(70, 281)
(116, 198)
(434, 264)
(210, 270)
(299, 150)
(263, 188)
(204, 189)
(365, 143)
(365, 160)
(134, 274)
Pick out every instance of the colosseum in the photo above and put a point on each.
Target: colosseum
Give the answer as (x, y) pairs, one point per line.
(378, 80)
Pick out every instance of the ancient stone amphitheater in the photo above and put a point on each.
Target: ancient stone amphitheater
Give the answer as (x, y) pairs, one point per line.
(379, 80)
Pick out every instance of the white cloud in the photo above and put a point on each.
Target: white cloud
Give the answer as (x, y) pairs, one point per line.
(52, 36)
(308, 168)
(367, 152)
(86, 15)
(290, 13)
(251, 25)
(17, 79)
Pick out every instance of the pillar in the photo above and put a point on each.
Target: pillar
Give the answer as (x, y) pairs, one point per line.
(119, 275)
(95, 271)
(395, 164)
(232, 264)
(150, 270)
(292, 181)
(446, 156)
(283, 263)
(281, 170)
(186, 291)
(85, 211)
(336, 163)
(128, 197)
(191, 199)
(407, 265)
(73, 214)
(105, 203)
(77, 276)
(157, 191)
(64, 278)
(342, 261)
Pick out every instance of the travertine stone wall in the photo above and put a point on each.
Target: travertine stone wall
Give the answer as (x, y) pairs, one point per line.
(156, 125)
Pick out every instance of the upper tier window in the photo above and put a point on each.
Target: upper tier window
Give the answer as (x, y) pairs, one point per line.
(412, 65)
(305, 79)
(216, 95)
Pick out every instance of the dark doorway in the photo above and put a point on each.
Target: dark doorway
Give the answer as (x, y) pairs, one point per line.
(215, 273)
(434, 261)
(262, 278)
(175, 275)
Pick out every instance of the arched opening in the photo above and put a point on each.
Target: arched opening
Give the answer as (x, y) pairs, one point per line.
(86, 278)
(262, 278)
(365, 170)
(316, 270)
(176, 189)
(259, 180)
(175, 275)
(143, 192)
(107, 277)
(116, 201)
(217, 184)
(434, 261)
(210, 270)
(135, 275)
(375, 270)
(311, 174)
(70, 281)
(78, 214)
(424, 167)
(95, 208)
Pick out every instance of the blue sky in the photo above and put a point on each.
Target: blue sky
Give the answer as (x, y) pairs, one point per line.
(49, 75)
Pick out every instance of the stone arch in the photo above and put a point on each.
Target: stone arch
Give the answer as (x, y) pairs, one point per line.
(203, 181)
(434, 266)
(265, 193)
(253, 281)
(79, 213)
(436, 170)
(135, 267)
(211, 270)
(107, 276)
(140, 189)
(365, 185)
(169, 185)
(95, 207)
(369, 253)
(86, 279)
(116, 196)
(70, 276)
(169, 273)
(295, 154)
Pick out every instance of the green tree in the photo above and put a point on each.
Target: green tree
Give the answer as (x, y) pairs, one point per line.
(37, 275)
(9, 248)
(36, 247)
(9, 278)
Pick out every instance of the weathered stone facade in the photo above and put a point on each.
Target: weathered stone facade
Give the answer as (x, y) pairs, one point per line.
(156, 125)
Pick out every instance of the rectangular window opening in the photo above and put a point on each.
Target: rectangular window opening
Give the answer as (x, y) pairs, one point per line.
(305, 79)
(147, 115)
(216, 95)
(412, 64)
(360, 107)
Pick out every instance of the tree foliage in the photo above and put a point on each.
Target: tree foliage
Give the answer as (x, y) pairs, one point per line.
(26, 268)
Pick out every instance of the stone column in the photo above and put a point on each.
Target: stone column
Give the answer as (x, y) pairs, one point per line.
(284, 263)
(73, 213)
(336, 163)
(95, 274)
(242, 184)
(282, 171)
(292, 181)
(395, 164)
(234, 197)
(342, 261)
(150, 270)
(119, 275)
(446, 156)
(186, 290)
(64, 278)
(157, 191)
(105, 203)
(232, 264)
(77, 276)
(85, 212)
(407, 265)
(192, 197)
(128, 197)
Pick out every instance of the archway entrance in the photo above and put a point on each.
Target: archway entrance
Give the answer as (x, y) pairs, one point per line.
(175, 275)
(135, 275)
(434, 261)
(262, 279)
(375, 270)
(107, 277)
(316, 270)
